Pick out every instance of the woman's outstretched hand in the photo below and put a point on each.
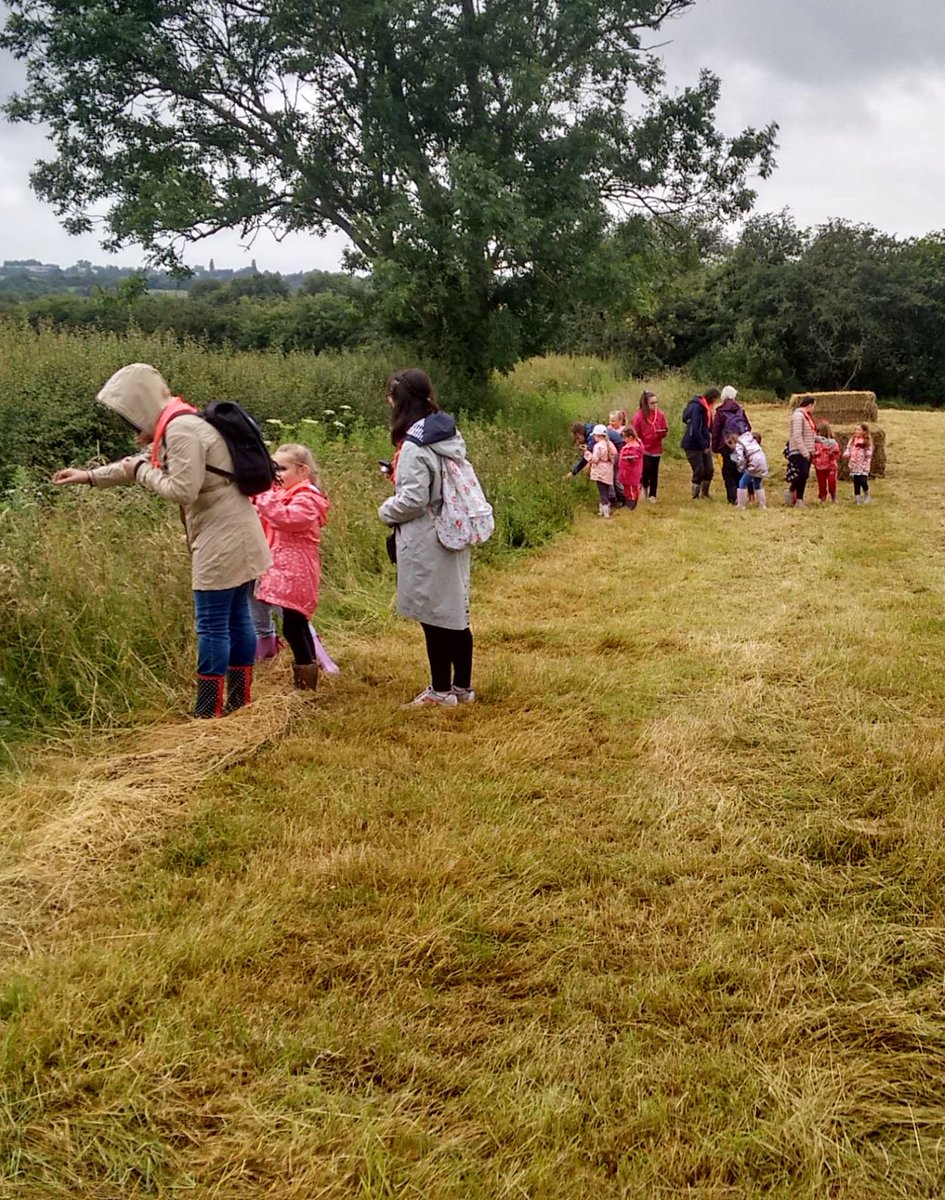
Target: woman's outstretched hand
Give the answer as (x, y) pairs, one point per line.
(71, 475)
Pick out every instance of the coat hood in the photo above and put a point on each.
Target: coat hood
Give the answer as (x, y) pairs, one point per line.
(438, 431)
(137, 393)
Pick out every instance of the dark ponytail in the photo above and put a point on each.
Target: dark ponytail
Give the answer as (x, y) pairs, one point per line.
(414, 398)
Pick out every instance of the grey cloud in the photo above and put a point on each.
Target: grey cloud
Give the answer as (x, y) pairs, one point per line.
(819, 42)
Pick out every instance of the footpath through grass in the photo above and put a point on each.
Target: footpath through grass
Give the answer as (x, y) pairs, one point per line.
(661, 916)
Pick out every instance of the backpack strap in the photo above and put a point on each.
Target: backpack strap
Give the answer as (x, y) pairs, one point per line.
(176, 407)
(181, 410)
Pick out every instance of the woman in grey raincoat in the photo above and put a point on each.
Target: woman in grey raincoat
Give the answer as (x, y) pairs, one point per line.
(432, 581)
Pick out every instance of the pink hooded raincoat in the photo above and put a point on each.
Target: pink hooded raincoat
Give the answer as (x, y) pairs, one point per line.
(293, 519)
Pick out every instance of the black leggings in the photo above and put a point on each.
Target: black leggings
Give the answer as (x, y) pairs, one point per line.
(296, 632)
(450, 653)
(801, 473)
(650, 479)
(861, 483)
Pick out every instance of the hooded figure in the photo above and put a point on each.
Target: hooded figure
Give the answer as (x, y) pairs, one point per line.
(226, 540)
(432, 581)
(729, 417)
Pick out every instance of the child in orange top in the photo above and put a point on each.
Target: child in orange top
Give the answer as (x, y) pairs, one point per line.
(825, 458)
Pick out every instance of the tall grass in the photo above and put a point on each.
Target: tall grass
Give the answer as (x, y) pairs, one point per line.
(95, 584)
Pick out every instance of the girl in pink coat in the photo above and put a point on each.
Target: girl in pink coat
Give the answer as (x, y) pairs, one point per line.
(293, 514)
(602, 457)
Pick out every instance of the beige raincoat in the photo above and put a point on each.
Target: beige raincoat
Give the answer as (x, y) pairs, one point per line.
(227, 544)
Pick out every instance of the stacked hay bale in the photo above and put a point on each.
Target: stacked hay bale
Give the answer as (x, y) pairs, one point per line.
(844, 411)
(845, 408)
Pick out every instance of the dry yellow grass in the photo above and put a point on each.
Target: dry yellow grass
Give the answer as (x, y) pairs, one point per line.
(660, 917)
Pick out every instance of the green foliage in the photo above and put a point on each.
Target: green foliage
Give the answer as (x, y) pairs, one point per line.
(835, 307)
(252, 313)
(472, 153)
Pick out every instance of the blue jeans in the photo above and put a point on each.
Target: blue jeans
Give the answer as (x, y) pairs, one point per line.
(225, 633)
(755, 481)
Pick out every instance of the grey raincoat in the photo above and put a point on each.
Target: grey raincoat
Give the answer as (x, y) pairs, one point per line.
(432, 582)
(226, 539)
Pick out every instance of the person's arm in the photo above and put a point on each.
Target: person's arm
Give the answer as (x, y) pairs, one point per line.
(110, 475)
(302, 511)
(715, 433)
(186, 466)
(577, 468)
(414, 488)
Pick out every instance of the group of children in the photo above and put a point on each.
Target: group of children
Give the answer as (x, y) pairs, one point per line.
(614, 454)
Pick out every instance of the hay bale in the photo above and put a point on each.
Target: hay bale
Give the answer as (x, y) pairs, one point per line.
(841, 406)
(878, 464)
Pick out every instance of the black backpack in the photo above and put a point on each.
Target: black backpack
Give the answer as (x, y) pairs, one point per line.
(253, 468)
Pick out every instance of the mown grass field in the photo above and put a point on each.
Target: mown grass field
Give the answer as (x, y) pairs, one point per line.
(661, 916)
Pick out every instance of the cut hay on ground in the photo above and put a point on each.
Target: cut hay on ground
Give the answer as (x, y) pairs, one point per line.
(841, 406)
(878, 465)
(116, 806)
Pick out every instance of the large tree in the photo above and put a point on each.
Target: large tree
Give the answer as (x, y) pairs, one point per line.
(474, 152)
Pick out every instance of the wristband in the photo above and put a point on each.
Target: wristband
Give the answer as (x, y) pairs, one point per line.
(138, 465)
(88, 479)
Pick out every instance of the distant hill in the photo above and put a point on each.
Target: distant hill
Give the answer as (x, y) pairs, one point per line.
(29, 277)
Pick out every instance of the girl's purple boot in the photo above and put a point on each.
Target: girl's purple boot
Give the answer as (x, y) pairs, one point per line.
(268, 645)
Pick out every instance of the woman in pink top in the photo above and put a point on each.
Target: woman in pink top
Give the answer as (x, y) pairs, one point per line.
(294, 514)
(651, 428)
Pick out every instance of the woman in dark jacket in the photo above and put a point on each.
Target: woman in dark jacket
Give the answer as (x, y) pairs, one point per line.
(729, 417)
(697, 441)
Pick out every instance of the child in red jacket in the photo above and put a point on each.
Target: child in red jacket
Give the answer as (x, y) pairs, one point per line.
(630, 465)
(825, 458)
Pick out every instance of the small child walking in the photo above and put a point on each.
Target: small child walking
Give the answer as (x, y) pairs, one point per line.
(630, 466)
(601, 458)
(859, 454)
(752, 463)
(826, 456)
(294, 513)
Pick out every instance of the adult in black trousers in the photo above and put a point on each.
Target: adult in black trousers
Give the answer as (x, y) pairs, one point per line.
(697, 441)
(729, 417)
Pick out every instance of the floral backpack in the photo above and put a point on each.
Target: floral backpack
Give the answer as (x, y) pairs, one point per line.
(465, 517)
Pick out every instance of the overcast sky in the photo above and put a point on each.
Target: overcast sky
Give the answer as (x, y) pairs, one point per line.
(857, 87)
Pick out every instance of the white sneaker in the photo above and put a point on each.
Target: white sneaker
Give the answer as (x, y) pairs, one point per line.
(464, 695)
(429, 697)
(652, 499)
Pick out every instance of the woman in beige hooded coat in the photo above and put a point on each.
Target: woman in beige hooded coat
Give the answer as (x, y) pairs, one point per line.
(227, 544)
